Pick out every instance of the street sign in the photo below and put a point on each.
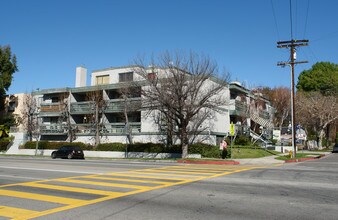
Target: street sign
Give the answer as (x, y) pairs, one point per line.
(232, 129)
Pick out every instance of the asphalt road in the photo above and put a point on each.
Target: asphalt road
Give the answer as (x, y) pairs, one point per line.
(94, 189)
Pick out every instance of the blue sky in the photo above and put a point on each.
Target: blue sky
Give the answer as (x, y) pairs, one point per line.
(50, 38)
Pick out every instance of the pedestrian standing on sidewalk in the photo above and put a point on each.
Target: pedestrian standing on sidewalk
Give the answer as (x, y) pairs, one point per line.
(223, 148)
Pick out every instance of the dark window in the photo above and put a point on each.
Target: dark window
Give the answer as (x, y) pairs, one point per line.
(11, 106)
(55, 99)
(151, 76)
(126, 77)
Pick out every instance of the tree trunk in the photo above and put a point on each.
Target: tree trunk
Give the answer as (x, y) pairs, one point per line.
(169, 133)
(127, 127)
(70, 130)
(184, 140)
(184, 150)
(321, 137)
(97, 128)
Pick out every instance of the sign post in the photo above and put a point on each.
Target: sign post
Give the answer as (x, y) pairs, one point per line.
(232, 134)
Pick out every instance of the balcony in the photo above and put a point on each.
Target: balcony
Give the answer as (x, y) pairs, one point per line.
(109, 128)
(53, 129)
(50, 109)
(113, 105)
(117, 105)
(81, 107)
(238, 108)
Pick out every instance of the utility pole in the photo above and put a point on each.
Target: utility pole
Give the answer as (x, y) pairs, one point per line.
(292, 44)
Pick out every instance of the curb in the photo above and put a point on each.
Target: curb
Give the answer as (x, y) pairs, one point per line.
(304, 159)
(213, 162)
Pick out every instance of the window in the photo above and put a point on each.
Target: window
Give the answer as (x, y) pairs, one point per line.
(55, 99)
(151, 76)
(102, 80)
(11, 106)
(126, 77)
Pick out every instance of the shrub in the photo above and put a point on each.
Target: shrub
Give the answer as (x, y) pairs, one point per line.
(7, 139)
(3, 145)
(274, 141)
(111, 147)
(205, 150)
(146, 147)
(46, 145)
(242, 140)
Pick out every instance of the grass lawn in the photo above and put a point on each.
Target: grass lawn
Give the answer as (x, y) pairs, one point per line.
(298, 155)
(249, 152)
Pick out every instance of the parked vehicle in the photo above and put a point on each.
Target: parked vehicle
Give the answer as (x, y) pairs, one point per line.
(335, 148)
(69, 152)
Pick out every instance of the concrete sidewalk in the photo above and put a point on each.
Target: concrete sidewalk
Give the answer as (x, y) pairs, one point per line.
(270, 160)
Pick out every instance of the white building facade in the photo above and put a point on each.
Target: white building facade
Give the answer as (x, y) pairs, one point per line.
(70, 113)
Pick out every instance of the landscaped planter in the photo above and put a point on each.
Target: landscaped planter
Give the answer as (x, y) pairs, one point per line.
(111, 154)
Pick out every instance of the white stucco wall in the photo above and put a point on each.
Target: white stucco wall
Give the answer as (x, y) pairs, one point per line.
(113, 75)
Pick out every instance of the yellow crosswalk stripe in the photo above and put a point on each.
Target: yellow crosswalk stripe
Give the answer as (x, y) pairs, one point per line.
(158, 178)
(193, 170)
(102, 183)
(159, 172)
(73, 189)
(138, 175)
(101, 177)
(11, 212)
(179, 172)
(34, 196)
(215, 168)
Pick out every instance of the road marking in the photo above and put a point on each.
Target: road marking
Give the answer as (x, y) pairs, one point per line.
(138, 175)
(160, 177)
(101, 183)
(188, 169)
(168, 170)
(12, 212)
(40, 197)
(160, 172)
(71, 189)
(128, 180)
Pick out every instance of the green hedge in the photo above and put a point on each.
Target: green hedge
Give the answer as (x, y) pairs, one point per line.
(111, 147)
(242, 140)
(3, 145)
(205, 150)
(139, 147)
(46, 145)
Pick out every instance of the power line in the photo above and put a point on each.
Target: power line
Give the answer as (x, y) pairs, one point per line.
(291, 18)
(306, 18)
(275, 19)
(296, 19)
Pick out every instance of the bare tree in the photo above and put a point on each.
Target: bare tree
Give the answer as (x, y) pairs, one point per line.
(280, 100)
(130, 105)
(98, 105)
(29, 118)
(181, 87)
(316, 111)
(66, 117)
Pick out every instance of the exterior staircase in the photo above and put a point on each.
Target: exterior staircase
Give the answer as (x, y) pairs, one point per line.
(266, 124)
(20, 138)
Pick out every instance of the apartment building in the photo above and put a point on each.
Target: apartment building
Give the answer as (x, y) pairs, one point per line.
(99, 110)
(251, 112)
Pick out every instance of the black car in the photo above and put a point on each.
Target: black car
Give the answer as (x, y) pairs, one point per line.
(69, 152)
(335, 148)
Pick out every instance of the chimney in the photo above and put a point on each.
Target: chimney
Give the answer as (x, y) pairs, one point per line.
(81, 77)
